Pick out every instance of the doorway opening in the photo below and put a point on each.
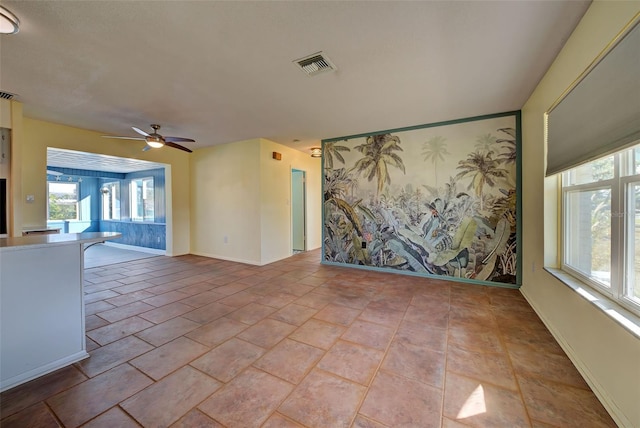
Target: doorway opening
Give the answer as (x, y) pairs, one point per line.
(298, 211)
(89, 192)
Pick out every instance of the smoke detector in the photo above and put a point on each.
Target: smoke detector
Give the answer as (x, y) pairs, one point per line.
(315, 64)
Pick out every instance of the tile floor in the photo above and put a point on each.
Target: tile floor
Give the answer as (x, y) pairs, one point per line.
(96, 255)
(196, 342)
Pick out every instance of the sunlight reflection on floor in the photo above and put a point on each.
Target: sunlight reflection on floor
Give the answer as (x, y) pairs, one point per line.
(474, 405)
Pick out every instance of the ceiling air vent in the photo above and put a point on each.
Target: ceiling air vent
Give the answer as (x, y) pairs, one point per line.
(6, 95)
(315, 64)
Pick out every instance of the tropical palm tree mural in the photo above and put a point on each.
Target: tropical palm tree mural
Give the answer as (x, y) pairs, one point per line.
(483, 169)
(331, 150)
(485, 143)
(435, 149)
(509, 145)
(379, 154)
(339, 183)
(465, 227)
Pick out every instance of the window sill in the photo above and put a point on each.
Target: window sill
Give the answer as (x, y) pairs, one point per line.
(134, 222)
(613, 310)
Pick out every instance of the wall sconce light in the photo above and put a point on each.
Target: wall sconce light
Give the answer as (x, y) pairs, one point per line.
(316, 152)
(9, 23)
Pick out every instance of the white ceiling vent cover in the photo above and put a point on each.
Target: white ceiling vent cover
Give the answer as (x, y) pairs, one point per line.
(315, 64)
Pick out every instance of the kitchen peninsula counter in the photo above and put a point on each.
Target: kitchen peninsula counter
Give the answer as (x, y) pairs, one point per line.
(42, 317)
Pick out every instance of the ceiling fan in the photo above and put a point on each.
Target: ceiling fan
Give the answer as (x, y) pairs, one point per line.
(155, 140)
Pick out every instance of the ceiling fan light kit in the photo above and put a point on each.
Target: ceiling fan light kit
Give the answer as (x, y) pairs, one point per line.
(155, 140)
(9, 23)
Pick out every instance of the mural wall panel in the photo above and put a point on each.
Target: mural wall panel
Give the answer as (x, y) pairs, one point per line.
(432, 200)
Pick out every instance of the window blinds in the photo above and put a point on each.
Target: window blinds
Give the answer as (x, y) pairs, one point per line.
(601, 114)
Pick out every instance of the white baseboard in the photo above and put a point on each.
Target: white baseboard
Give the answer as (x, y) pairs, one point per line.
(43, 370)
(618, 416)
(229, 259)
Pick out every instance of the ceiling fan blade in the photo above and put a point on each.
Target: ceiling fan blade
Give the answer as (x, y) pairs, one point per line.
(147, 147)
(139, 131)
(179, 140)
(176, 146)
(123, 138)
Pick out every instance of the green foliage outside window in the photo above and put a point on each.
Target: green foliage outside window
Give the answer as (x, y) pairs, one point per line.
(62, 207)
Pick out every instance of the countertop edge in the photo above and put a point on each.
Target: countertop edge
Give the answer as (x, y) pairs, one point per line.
(40, 241)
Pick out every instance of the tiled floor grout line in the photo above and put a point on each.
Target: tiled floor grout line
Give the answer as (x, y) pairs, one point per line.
(378, 367)
(311, 368)
(446, 362)
(503, 342)
(252, 364)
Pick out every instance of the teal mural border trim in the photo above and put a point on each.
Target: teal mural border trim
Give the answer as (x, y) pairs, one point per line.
(424, 126)
(518, 118)
(423, 275)
(519, 225)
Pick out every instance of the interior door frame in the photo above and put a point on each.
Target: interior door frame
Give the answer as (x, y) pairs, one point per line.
(304, 209)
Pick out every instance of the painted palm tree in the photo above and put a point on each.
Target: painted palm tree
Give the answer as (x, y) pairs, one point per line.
(379, 154)
(332, 150)
(485, 143)
(338, 183)
(435, 149)
(483, 169)
(509, 155)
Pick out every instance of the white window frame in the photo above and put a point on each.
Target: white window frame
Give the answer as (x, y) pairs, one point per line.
(622, 221)
(77, 185)
(108, 195)
(133, 202)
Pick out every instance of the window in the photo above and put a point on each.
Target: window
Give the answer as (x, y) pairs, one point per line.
(110, 201)
(601, 223)
(63, 201)
(142, 202)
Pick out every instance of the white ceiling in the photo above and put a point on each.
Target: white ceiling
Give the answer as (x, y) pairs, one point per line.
(221, 72)
(93, 162)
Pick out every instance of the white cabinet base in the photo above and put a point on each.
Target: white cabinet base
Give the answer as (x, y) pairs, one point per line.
(42, 313)
(42, 370)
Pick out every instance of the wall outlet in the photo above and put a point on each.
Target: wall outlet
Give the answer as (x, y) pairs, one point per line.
(225, 239)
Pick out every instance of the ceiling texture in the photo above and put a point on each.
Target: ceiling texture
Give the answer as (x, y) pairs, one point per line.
(220, 72)
(72, 159)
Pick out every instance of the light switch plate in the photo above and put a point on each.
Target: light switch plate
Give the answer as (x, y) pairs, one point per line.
(30, 199)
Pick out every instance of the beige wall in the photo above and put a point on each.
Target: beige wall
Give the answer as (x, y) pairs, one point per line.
(275, 184)
(5, 113)
(241, 195)
(225, 205)
(29, 156)
(605, 353)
